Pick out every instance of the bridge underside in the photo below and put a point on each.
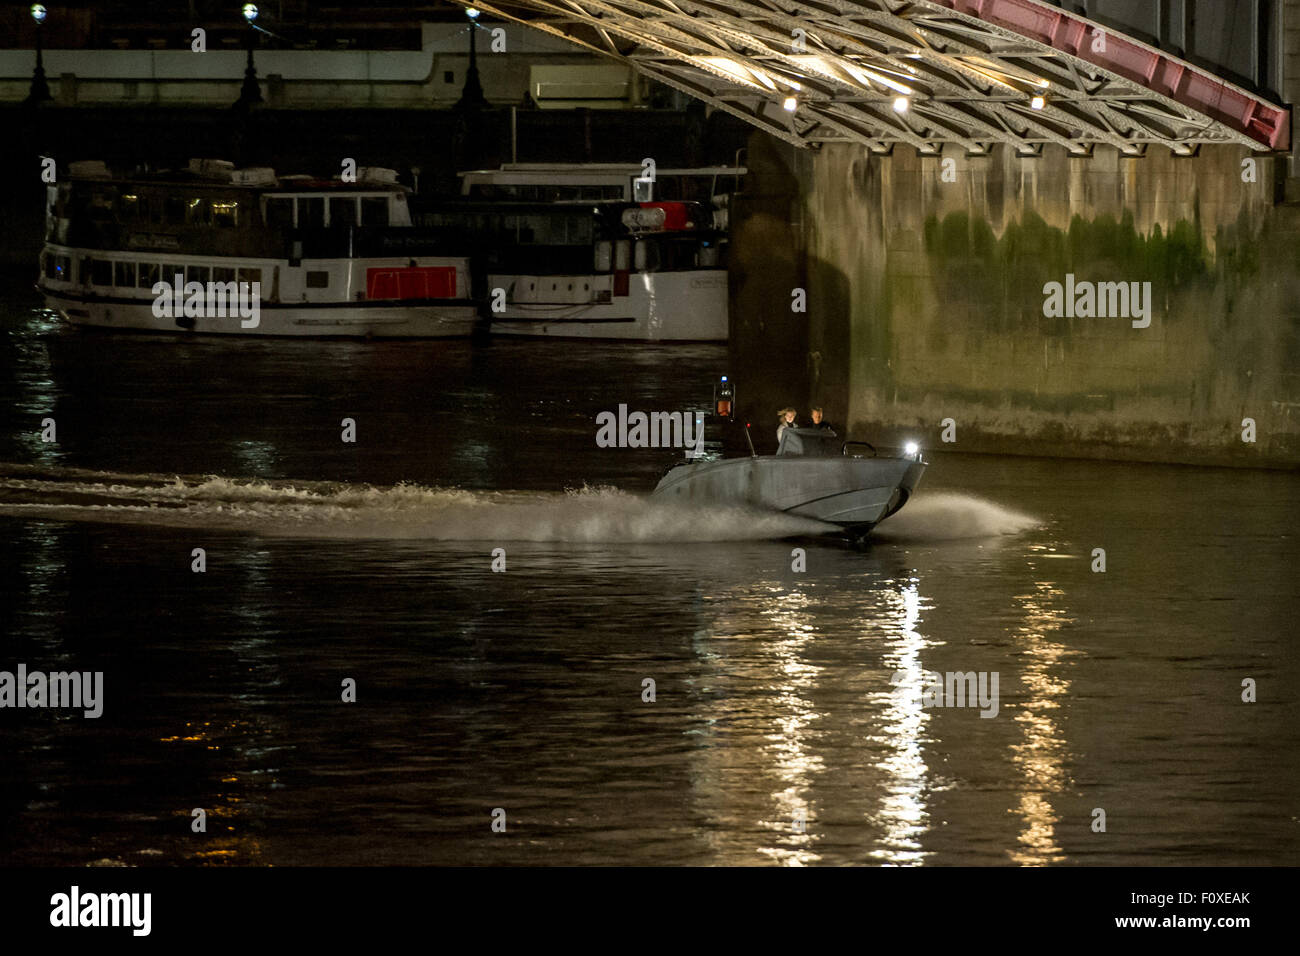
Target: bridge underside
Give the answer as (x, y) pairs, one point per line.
(924, 72)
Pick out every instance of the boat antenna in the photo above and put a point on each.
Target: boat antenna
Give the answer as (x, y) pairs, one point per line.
(752, 453)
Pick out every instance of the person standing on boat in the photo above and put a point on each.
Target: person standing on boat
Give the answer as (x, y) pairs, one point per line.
(784, 420)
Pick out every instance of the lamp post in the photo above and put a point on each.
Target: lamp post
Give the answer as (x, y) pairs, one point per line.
(40, 90)
(472, 96)
(250, 94)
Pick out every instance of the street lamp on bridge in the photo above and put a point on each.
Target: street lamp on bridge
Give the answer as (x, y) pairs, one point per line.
(472, 96)
(250, 94)
(40, 90)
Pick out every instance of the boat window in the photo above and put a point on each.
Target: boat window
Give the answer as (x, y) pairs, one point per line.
(318, 280)
(174, 211)
(151, 210)
(225, 213)
(374, 211)
(222, 274)
(250, 275)
(198, 213)
(124, 275)
(59, 267)
(131, 208)
(147, 275)
(311, 212)
(279, 213)
(663, 255)
(524, 232)
(622, 255)
(579, 230)
(173, 273)
(101, 206)
(343, 211)
(196, 274)
(604, 255)
(646, 257)
(101, 272)
(550, 231)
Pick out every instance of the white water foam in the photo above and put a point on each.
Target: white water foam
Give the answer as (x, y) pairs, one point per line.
(950, 516)
(409, 511)
(406, 511)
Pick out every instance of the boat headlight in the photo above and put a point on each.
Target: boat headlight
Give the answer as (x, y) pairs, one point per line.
(912, 449)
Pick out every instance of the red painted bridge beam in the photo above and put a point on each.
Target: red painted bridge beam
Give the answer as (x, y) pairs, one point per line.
(1262, 121)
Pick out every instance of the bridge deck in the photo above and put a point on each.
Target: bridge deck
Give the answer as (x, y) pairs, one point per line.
(928, 73)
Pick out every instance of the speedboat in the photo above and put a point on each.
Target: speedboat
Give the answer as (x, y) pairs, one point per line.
(814, 474)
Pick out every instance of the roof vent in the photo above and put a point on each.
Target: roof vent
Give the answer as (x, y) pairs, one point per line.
(377, 174)
(88, 169)
(254, 176)
(211, 168)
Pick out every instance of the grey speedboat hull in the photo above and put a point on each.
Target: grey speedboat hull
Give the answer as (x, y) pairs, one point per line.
(854, 493)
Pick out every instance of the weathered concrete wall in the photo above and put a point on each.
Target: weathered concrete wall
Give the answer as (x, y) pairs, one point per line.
(926, 299)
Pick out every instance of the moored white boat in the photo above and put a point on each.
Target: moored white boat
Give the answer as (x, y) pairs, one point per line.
(243, 252)
(656, 306)
(588, 251)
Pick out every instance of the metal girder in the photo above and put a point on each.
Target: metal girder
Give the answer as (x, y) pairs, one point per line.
(924, 72)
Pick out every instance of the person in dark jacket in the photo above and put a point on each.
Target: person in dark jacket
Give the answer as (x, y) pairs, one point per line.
(818, 421)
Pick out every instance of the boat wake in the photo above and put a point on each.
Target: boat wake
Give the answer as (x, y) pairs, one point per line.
(949, 516)
(405, 511)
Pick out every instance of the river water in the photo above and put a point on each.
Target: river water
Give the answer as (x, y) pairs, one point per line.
(788, 724)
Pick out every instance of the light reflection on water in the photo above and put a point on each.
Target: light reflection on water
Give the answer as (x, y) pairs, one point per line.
(1041, 755)
(792, 726)
(903, 812)
(221, 831)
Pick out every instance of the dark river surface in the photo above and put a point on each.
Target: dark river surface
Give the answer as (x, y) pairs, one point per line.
(778, 694)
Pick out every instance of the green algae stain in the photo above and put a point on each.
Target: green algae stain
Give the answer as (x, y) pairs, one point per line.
(1004, 276)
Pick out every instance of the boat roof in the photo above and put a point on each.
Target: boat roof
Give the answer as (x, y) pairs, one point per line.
(584, 174)
(220, 174)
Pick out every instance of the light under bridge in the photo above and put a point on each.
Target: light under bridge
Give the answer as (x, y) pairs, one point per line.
(929, 73)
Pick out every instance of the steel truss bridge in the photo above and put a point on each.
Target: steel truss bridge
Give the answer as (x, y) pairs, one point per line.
(924, 72)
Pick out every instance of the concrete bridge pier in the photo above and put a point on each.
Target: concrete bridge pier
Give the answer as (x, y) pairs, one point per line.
(925, 279)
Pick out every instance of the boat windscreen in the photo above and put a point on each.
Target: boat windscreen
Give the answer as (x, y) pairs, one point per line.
(810, 443)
